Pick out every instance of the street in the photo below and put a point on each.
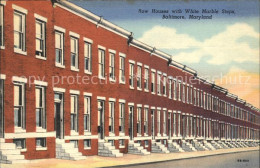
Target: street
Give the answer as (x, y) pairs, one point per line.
(234, 160)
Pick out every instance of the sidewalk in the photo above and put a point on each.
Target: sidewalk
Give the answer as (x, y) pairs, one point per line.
(97, 161)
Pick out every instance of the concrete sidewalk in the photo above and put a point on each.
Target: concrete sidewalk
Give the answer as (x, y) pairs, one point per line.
(127, 159)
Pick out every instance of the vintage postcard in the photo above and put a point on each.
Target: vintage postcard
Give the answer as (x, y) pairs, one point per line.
(131, 83)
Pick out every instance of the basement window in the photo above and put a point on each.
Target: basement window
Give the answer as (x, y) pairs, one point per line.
(87, 144)
(75, 142)
(121, 143)
(20, 143)
(111, 142)
(41, 144)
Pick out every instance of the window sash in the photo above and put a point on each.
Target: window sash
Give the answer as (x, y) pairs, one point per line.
(74, 52)
(111, 116)
(1, 25)
(122, 69)
(101, 63)
(112, 66)
(19, 31)
(131, 75)
(139, 77)
(146, 79)
(19, 109)
(74, 112)
(153, 82)
(121, 117)
(40, 38)
(158, 84)
(87, 113)
(40, 107)
(139, 120)
(59, 47)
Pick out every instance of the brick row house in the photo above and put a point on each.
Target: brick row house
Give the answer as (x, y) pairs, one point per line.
(73, 84)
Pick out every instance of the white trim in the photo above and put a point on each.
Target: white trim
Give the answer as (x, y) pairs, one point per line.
(41, 148)
(60, 29)
(3, 2)
(19, 51)
(77, 137)
(2, 76)
(170, 111)
(131, 61)
(87, 94)
(40, 57)
(146, 106)
(121, 101)
(112, 99)
(20, 9)
(170, 77)
(122, 54)
(30, 135)
(116, 137)
(112, 51)
(139, 105)
(55, 89)
(153, 70)
(87, 40)
(159, 72)
(174, 111)
(131, 104)
(73, 34)
(19, 79)
(159, 108)
(77, 92)
(153, 108)
(146, 66)
(101, 98)
(139, 63)
(40, 17)
(179, 112)
(142, 138)
(164, 74)
(41, 83)
(101, 47)
(165, 109)
(2, 47)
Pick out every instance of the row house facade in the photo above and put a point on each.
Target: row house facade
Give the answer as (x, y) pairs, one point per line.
(73, 82)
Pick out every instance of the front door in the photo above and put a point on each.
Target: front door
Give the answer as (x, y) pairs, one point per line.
(101, 119)
(131, 112)
(1, 108)
(152, 123)
(58, 115)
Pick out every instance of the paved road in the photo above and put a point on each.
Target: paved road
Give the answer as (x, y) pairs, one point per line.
(235, 160)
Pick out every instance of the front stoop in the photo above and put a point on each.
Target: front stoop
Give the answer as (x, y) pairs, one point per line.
(229, 144)
(136, 148)
(67, 151)
(174, 147)
(216, 145)
(208, 145)
(10, 154)
(223, 145)
(198, 146)
(107, 150)
(187, 147)
(158, 147)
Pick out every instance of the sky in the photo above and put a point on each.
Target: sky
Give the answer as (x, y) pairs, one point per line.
(223, 48)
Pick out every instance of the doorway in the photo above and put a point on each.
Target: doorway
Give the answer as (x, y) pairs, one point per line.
(131, 116)
(152, 124)
(58, 115)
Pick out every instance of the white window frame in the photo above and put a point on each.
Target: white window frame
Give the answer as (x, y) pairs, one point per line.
(122, 117)
(139, 77)
(21, 49)
(146, 113)
(111, 117)
(74, 54)
(158, 122)
(60, 49)
(146, 79)
(170, 89)
(112, 66)
(42, 117)
(121, 69)
(179, 90)
(183, 93)
(87, 114)
(87, 57)
(131, 75)
(153, 82)
(74, 111)
(41, 53)
(2, 26)
(188, 96)
(20, 127)
(164, 122)
(191, 94)
(87, 143)
(159, 84)
(139, 121)
(164, 86)
(174, 89)
(101, 63)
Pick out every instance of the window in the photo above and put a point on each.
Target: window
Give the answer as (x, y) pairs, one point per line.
(101, 59)
(74, 53)
(183, 93)
(195, 97)
(146, 71)
(87, 143)
(121, 117)
(121, 142)
(164, 85)
(170, 88)
(131, 75)
(88, 57)
(87, 114)
(153, 82)
(205, 100)
(122, 69)
(174, 90)
(1, 25)
(74, 112)
(40, 38)
(20, 143)
(191, 96)
(179, 91)
(139, 77)
(75, 143)
(158, 122)
(59, 48)
(40, 107)
(198, 97)
(19, 109)
(139, 126)
(174, 124)
(164, 122)
(158, 84)
(146, 143)
(112, 66)
(146, 120)
(201, 97)
(40, 142)
(188, 96)
(19, 31)
(111, 116)
(112, 142)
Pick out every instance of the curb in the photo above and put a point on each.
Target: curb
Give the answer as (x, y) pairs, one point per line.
(193, 157)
